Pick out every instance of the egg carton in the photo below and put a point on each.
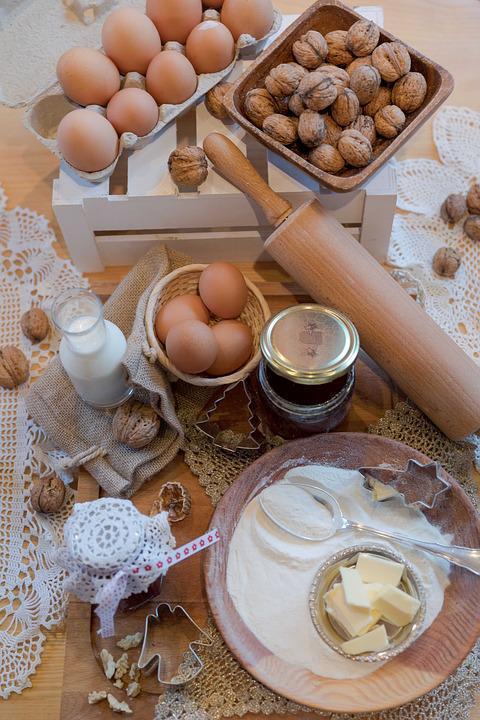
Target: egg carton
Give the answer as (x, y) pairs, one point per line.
(44, 115)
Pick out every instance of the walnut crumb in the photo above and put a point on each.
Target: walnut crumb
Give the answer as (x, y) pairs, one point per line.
(96, 696)
(108, 663)
(130, 641)
(133, 689)
(117, 706)
(122, 666)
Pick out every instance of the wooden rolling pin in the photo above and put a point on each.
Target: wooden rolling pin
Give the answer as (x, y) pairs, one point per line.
(312, 246)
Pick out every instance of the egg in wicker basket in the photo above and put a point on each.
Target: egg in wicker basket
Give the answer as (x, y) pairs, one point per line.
(184, 281)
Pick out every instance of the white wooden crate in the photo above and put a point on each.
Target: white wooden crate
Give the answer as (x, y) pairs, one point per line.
(103, 228)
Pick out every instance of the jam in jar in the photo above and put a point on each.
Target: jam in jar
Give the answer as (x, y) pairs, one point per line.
(306, 375)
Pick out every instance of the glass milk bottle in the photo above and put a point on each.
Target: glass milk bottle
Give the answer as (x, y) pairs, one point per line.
(92, 349)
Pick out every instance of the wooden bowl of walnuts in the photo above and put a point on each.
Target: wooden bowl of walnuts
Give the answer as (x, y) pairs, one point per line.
(336, 95)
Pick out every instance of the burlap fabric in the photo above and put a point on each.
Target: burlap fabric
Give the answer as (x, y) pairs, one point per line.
(76, 428)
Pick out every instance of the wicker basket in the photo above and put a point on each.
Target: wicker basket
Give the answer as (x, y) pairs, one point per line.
(185, 281)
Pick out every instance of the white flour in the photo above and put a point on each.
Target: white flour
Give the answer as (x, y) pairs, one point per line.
(270, 572)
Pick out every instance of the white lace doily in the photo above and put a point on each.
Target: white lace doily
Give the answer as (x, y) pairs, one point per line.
(423, 185)
(31, 583)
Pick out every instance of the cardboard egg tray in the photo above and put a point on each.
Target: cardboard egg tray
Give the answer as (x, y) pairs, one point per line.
(43, 116)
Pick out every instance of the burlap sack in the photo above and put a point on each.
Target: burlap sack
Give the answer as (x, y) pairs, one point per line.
(77, 428)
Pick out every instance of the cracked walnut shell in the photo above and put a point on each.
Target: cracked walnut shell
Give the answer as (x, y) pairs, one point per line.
(214, 100)
(473, 199)
(454, 207)
(338, 52)
(188, 166)
(317, 90)
(281, 128)
(365, 82)
(14, 367)
(389, 121)
(345, 108)
(284, 79)
(135, 424)
(47, 495)
(258, 105)
(327, 158)
(311, 128)
(35, 325)
(409, 92)
(366, 125)
(392, 60)
(173, 498)
(471, 227)
(362, 37)
(384, 97)
(446, 261)
(355, 148)
(311, 50)
(339, 76)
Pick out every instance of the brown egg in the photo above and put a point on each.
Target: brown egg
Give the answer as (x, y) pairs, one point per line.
(235, 342)
(171, 78)
(177, 310)
(223, 289)
(191, 346)
(132, 110)
(130, 39)
(87, 140)
(175, 19)
(254, 17)
(210, 47)
(87, 76)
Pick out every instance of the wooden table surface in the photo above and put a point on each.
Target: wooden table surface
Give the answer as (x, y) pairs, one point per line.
(446, 31)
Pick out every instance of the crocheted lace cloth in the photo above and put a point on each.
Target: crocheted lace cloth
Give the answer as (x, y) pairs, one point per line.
(31, 583)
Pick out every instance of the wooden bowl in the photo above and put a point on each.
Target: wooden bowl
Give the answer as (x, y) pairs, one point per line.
(185, 281)
(325, 16)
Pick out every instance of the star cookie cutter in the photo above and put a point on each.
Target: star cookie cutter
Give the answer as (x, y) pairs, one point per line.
(152, 652)
(419, 485)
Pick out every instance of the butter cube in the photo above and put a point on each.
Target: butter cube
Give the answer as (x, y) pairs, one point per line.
(373, 568)
(374, 590)
(355, 621)
(396, 606)
(380, 491)
(373, 641)
(353, 587)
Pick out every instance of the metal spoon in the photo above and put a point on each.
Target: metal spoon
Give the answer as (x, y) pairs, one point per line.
(468, 558)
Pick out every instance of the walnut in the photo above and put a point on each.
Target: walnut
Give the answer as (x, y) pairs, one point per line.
(383, 98)
(327, 158)
(108, 663)
(130, 641)
(389, 121)
(280, 128)
(295, 104)
(311, 128)
(188, 166)
(14, 367)
(311, 50)
(446, 262)
(135, 424)
(214, 100)
(365, 82)
(121, 666)
(471, 227)
(133, 689)
(346, 107)
(173, 498)
(339, 76)
(35, 325)
(134, 672)
(454, 208)
(409, 92)
(117, 706)
(363, 37)
(338, 53)
(317, 90)
(284, 79)
(359, 62)
(47, 495)
(332, 131)
(258, 105)
(96, 696)
(354, 147)
(392, 60)
(366, 125)
(281, 105)
(473, 199)
(119, 684)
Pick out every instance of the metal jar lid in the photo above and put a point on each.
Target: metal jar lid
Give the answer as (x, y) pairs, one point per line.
(310, 344)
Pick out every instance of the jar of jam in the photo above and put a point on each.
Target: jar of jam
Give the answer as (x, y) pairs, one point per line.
(306, 376)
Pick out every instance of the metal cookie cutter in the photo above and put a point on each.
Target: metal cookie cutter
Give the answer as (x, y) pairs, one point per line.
(184, 666)
(420, 485)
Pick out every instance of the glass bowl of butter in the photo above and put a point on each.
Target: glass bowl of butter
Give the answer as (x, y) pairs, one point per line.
(367, 603)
